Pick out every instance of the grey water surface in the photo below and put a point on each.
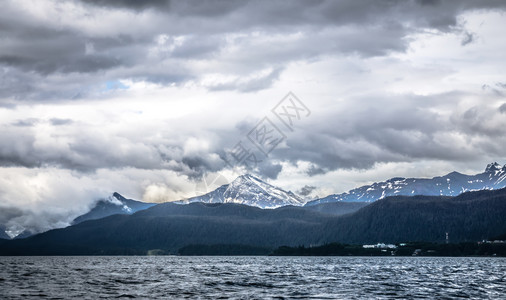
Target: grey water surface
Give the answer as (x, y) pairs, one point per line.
(252, 277)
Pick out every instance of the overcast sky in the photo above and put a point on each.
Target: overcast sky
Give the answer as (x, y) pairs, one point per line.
(146, 97)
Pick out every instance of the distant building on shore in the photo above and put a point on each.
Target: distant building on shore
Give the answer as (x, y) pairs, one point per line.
(380, 246)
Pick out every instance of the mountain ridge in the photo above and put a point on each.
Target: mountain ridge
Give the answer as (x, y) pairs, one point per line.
(471, 216)
(248, 189)
(451, 184)
(114, 204)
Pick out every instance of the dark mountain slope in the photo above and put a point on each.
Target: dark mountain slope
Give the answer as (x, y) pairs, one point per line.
(471, 216)
(171, 226)
(4, 235)
(501, 237)
(116, 204)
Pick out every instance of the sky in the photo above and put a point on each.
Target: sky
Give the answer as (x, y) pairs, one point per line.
(152, 98)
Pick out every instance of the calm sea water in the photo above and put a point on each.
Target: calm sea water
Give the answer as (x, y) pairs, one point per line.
(252, 277)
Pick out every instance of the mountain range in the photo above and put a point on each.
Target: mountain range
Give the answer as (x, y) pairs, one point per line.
(451, 184)
(252, 191)
(169, 227)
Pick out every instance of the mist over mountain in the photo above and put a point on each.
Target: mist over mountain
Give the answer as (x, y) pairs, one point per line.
(250, 190)
(115, 204)
(337, 208)
(451, 184)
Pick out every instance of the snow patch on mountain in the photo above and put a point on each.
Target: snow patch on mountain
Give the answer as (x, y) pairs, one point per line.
(451, 184)
(249, 190)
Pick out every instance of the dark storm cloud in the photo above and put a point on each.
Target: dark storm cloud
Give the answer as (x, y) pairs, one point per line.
(17, 148)
(314, 170)
(60, 122)
(433, 13)
(358, 134)
(9, 213)
(196, 166)
(26, 122)
(130, 4)
(201, 8)
(30, 122)
(362, 133)
(269, 169)
(89, 150)
(33, 51)
(195, 8)
(252, 41)
(306, 190)
(44, 49)
(502, 108)
(468, 39)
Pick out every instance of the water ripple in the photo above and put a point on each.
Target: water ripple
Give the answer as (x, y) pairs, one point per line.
(252, 277)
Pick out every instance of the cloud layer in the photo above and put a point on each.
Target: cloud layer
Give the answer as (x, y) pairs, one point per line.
(146, 97)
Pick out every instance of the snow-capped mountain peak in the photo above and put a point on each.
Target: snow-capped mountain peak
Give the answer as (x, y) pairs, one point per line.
(114, 204)
(246, 179)
(451, 184)
(250, 190)
(493, 167)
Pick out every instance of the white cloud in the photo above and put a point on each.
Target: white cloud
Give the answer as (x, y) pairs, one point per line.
(91, 104)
